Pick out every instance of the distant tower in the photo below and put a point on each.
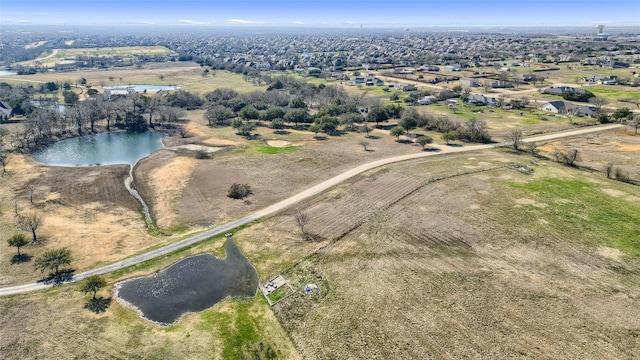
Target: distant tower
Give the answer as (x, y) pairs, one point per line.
(406, 34)
(600, 27)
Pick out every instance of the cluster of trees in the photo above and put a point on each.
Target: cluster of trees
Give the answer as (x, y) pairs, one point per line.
(134, 112)
(288, 101)
(473, 130)
(582, 96)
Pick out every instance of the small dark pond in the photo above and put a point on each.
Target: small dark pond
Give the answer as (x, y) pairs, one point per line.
(190, 285)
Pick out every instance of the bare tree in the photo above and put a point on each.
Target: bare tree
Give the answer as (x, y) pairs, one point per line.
(302, 219)
(365, 129)
(635, 123)
(364, 144)
(183, 132)
(532, 148)
(608, 169)
(3, 161)
(568, 157)
(516, 138)
(31, 189)
(30, 222)
(598, 101)
(155, 104)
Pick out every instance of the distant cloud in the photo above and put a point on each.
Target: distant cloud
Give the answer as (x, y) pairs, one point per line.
(16, 21)
(241, 21)
(146, 22)
(193, 22)
(299, 22)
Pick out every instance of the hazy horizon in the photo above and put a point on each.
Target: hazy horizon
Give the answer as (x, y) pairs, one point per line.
(313, 13)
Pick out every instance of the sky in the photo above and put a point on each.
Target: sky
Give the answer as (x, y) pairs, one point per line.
(331, 13)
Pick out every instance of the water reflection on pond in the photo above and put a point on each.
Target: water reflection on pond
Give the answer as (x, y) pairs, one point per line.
(101, 149)
(190, 285)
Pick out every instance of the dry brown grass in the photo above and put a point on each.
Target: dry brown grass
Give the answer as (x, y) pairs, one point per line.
(409, 268)
(187, 75)
(619, 147)
(86, 209)
(444, 273)
(173, 175)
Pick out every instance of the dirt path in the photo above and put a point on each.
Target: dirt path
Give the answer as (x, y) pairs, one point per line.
(317, 189)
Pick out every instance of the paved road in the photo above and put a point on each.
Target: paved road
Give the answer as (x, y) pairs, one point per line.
(270, 210)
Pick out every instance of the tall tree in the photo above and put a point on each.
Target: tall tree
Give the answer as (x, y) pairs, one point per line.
(302, 219)
(397, 132)
(155, 104)
(18, 241)
(424, 141)
(377, 114)
(53, 260)
(30, 222)
(516, 138)
(297, 116)
(92, 284)
(218, 115)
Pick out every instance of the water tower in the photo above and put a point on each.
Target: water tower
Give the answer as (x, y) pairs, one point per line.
(600, 27)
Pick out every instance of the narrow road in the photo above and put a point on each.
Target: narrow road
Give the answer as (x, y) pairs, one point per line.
(270, 210)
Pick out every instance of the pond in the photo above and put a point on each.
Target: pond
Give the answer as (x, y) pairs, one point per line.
(7, 73)
(143, 88)
(190, 285)
(101, 149)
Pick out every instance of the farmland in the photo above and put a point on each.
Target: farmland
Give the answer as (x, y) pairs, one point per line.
(487, 253)
(452, 256)
(414, 258)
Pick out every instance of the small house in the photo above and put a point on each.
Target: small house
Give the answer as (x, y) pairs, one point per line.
(373, 81)
(406, 87)
(358, 81)
(469, 82)
(481, 100)
(565, 107)
(429, 99)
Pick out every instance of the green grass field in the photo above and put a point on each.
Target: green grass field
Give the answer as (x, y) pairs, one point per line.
(579, 209)
(125, 52)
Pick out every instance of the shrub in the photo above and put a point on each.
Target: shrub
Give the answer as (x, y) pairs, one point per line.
(239, 191)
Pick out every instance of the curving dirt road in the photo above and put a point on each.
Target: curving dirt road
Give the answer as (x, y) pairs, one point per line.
(270, 210)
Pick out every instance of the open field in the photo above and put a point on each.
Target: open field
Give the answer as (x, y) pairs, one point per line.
(487, 265)
(428, 245)
(413, 260)
(49, 59)
(456, 256)
(199, 193)
(90, 211)
(621, 148)
(232, 329)
(187, 75)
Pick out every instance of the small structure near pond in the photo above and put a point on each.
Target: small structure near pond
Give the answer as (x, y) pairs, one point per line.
(276, 290)
(311, 289)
